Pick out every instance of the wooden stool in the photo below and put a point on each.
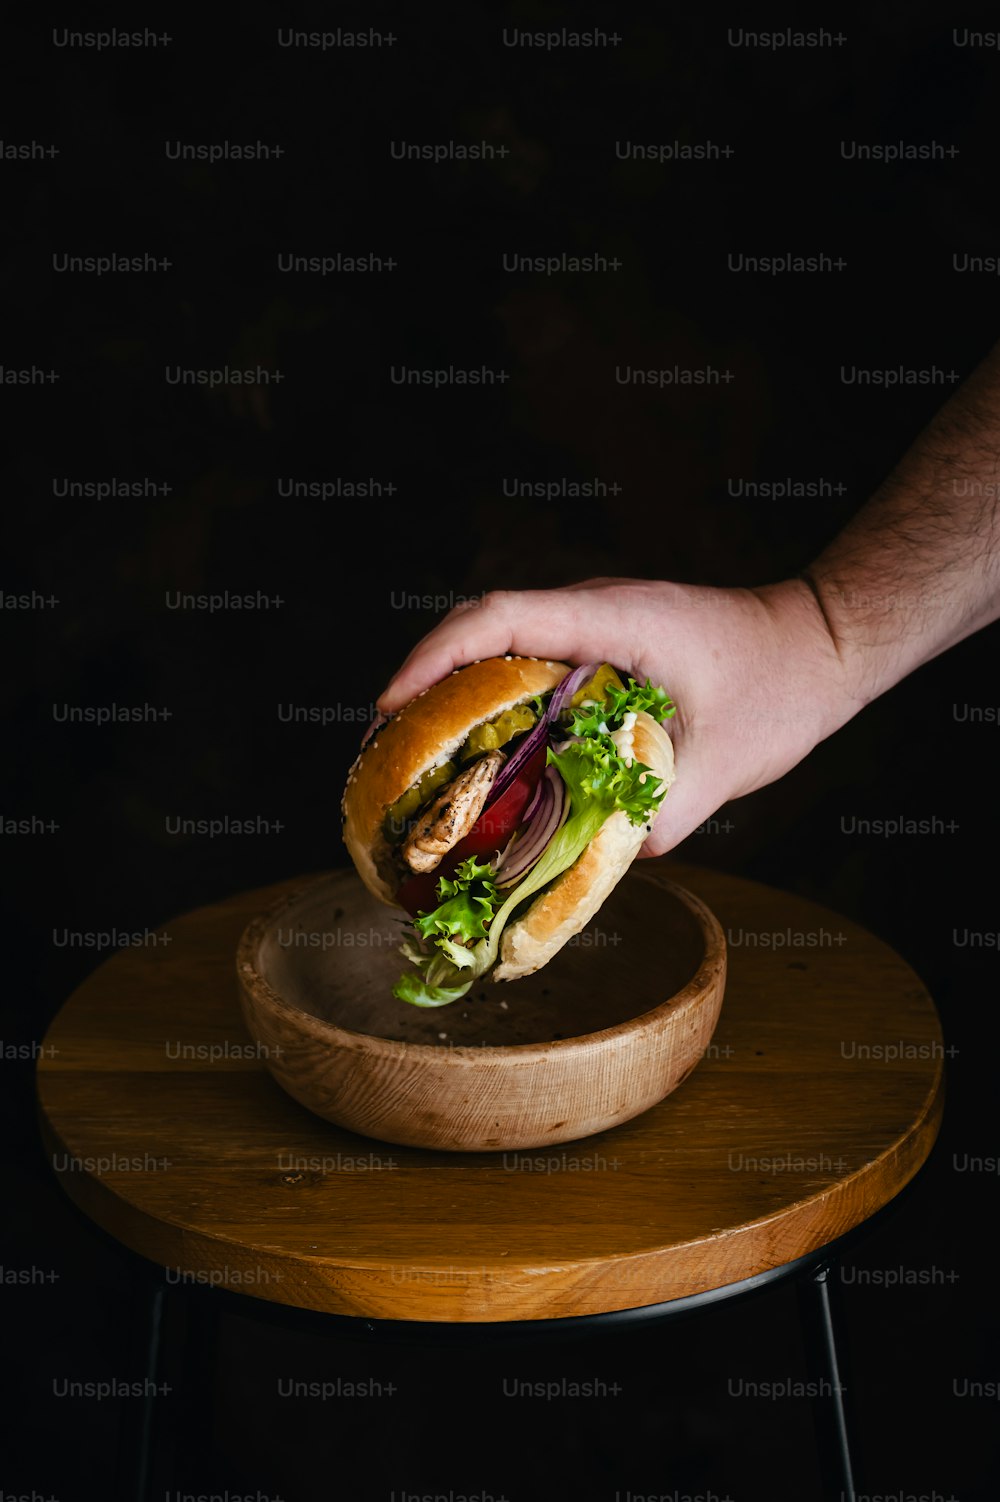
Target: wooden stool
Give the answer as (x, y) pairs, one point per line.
(805, 1118)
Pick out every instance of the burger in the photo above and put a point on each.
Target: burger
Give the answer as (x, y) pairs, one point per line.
(499, 808)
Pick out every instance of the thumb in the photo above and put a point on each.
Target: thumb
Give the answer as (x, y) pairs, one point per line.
(692, 799)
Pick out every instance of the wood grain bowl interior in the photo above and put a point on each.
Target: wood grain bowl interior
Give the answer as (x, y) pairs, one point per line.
(605, 1030)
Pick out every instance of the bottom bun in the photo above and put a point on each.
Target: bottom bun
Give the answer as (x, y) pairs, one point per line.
(575, 896)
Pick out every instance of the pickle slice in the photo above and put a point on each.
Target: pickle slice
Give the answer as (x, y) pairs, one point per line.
(491, 736)
(405, 807)
(597, 688)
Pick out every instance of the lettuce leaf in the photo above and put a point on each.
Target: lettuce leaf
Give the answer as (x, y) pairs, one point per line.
(593, 770)
(469, 902)
(647, 699)
(599, 720)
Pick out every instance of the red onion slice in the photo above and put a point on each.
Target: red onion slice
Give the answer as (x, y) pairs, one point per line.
(528, 847)
(564, 691)
(549, 819)
(561, 695)
(536, 798)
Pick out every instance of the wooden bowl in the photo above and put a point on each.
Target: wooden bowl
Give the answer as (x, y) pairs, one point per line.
(609, 1027)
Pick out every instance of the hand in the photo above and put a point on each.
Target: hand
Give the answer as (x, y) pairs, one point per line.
(755, 674)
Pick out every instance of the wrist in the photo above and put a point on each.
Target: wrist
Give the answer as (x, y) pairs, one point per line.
(816, 689)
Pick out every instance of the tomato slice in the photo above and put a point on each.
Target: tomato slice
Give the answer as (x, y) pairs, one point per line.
(418, 894)
(487, 836)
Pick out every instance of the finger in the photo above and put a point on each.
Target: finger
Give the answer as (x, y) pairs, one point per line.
(602, 583)
(545, 623)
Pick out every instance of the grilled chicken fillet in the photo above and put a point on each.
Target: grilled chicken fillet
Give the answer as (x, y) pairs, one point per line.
(452, 814)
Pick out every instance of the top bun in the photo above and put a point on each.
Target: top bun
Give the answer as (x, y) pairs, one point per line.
(425, 733)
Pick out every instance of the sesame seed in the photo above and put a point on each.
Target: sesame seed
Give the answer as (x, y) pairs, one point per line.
(504, 1005)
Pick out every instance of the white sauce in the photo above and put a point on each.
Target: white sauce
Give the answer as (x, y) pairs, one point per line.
(623, 738)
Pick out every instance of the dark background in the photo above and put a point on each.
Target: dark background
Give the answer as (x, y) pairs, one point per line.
(341, 567)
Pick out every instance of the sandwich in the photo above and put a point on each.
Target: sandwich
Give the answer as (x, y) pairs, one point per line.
(499, 808)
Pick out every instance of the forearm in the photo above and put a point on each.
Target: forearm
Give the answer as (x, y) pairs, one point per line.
(918, 568)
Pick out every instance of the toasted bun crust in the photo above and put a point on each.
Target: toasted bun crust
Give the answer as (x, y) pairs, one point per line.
(424, 734)
(574, 898)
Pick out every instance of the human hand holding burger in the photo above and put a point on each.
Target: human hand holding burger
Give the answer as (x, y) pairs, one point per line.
(759, 677)
(507, 792)
(754, 674)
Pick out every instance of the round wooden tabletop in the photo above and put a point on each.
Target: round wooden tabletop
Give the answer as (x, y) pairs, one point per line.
(819, 1098)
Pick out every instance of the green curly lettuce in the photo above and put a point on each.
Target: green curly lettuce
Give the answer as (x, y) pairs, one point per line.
(594, 771)
(601, 720)
(469, 901)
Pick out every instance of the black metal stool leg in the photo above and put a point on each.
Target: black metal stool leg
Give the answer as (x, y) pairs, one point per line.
(197, 1358)
(818, 1300)
(137, 1421)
